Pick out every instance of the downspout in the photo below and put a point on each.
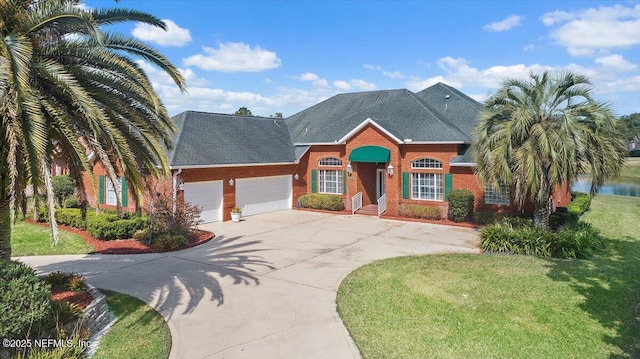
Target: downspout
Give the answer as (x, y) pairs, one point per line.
(175, 190)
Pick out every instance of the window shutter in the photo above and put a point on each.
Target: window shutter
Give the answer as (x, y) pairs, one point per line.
(405, 185)
(344, 182)
(314, 181)
(102, 189)
(124, 191)
(448, 181)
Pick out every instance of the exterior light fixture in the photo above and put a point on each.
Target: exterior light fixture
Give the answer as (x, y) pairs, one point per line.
(296, 177)
(390, 170)
(231, 182)
(181, 186)
(349, 168)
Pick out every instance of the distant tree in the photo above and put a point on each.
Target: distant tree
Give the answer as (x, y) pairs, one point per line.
(277, 115)
(543, 132)
(629, 125)
(243, 111)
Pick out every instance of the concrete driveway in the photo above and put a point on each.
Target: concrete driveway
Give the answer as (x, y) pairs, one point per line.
(264, 287)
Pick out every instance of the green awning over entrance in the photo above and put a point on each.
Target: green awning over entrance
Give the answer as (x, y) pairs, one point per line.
(370, 154)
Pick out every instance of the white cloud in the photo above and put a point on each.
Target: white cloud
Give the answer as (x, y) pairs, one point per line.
(173, 36)
(616, 62)
(595, 30)
(362, 85)
(309, 76)
(528, 47)
(342, 85)
(392, 75)
(508, 23)
(234, 57)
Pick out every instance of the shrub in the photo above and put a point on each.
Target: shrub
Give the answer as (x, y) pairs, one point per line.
(484, 217)
(141, 235)
(579, 240)
(562, 217)
(24, 299)
(324, 201)
(168, 241)
(63, 187)
(460, 205)
(634, 153)
(580, 203)
(61, 281)
(71, 202)
(102, 228)
(420, 211)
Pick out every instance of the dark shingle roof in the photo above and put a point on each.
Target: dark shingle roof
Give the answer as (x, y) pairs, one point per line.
(401, 112)
(459, 109)
(204, 139)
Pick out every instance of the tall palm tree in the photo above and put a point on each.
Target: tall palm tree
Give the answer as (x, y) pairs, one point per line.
(543, 132)
(66, 85)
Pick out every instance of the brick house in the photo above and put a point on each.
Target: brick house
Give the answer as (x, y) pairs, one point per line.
(378, 148)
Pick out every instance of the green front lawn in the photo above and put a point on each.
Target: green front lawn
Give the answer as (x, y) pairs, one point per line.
(28, 239)
(504, 306)
(138, 333)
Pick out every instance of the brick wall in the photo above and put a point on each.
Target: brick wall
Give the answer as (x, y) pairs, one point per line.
(92, 197)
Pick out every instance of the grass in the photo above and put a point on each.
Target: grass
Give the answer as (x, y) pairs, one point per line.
(138, 333)
(28, 239)
(631, 172)
(504, 306)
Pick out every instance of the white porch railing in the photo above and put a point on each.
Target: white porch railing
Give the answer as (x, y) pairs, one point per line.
(356, 202)
(382, 204)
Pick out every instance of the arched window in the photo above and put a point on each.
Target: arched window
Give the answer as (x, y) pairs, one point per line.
(330, 161)
(426, 163)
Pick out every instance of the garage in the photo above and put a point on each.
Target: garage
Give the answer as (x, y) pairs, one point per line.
(263, 194)
(207, 195)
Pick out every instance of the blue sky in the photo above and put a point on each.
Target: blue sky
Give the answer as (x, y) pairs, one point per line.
(284, 56)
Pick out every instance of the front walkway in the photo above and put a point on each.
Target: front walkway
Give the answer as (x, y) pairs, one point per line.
(264, 287)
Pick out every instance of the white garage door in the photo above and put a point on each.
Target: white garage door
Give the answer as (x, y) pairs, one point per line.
(207, 195)
(263, 194)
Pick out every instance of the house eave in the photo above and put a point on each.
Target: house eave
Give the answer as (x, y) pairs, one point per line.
(364, 124)
(184, 167)
(463, 164)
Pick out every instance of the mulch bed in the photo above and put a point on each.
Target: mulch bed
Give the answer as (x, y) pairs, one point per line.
(130, 246)
(81, 299)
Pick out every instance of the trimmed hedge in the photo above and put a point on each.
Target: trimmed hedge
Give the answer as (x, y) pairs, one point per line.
(420, 211)
(321, 201)
(577, 240)
(460, 205)
(24, 300)
(104, 226)
(580, 203)
(634, 153)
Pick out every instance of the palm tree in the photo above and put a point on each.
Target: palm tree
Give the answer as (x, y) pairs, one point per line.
(543, 132)
(66, 85)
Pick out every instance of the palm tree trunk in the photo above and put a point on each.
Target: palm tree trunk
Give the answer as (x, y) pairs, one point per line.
(51, 203)
(541, 215)
(5, 229)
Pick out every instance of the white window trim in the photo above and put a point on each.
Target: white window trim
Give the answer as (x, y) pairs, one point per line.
(491, 196)
(330, 165)
(434, 161)
(437, 178)
(110, 192)
(322, 181)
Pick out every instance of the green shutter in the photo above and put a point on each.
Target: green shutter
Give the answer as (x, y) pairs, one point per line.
(447, 185)
(314, 181)
(101, 196)
(405, 185)
(344, 182)
(124, 191)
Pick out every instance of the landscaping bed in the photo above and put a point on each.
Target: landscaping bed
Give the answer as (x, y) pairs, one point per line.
(130, 246)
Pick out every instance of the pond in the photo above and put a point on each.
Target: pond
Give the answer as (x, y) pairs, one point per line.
(618, 187)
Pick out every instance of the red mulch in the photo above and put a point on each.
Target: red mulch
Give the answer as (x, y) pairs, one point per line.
(81, 299)
(130, 246)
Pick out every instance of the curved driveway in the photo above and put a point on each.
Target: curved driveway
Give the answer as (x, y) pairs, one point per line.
(264, 287)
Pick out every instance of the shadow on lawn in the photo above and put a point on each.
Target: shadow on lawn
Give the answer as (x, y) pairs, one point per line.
(610, 285)
(174, 280)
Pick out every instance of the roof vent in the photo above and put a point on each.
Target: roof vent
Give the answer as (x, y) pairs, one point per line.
(447, 96)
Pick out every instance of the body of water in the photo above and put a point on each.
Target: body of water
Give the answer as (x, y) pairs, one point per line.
(613, 187)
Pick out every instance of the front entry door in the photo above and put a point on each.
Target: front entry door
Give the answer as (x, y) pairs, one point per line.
(381, 181)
